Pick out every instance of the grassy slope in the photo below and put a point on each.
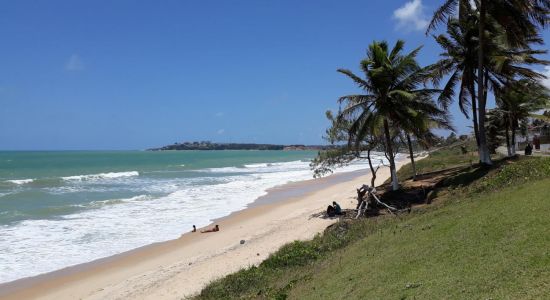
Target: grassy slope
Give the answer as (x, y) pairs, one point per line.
(488, 246)
(481, 240)
(442, 159)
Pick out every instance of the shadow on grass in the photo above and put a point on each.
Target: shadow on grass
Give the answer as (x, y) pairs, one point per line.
(427, 186)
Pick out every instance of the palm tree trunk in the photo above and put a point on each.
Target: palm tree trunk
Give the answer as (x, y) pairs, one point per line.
(474, 112)
(394, 181)
(484, 155)
(514, 140)
(411, 154)
(372, 170)
(508, 147)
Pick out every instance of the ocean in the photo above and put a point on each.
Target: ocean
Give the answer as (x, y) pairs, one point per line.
(63, 208)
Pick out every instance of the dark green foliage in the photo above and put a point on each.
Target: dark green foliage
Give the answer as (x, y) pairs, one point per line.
(514, 174)
(234, 146)
(294, 254)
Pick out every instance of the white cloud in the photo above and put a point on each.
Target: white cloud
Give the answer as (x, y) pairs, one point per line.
(546, 81)
(221, 131)
(74, 63)
(411, 16)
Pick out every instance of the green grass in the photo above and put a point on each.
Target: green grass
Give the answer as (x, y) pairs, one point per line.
(484, 238)
(439, 160)
(488, 246)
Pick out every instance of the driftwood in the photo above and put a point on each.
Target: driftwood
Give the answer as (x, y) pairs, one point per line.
(370, 195)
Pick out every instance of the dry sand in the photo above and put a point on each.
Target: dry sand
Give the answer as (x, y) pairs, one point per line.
(179, 268)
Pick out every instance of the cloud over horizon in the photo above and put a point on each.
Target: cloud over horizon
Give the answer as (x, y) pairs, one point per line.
(411, 16)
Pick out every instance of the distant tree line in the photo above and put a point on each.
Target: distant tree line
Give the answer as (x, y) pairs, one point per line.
(207, 145)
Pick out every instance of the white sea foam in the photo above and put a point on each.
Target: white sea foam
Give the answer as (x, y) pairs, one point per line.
(32, 247)
(101, 203)
(20, 181)
(224, 170)
(110, 175)
(261, 167)
(258, 165)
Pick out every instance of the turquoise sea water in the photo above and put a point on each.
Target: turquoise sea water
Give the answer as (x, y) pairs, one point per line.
(59, 209)
(63, 208)
(35, 185)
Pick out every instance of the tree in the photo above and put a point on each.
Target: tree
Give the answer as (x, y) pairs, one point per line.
(330, 159)
(394, 97)
(522, 20)
(459, 60)
(495, 130)
(516, 102)
(420, 127)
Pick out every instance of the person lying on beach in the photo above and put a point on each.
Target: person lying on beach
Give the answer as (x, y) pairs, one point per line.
(216, 228)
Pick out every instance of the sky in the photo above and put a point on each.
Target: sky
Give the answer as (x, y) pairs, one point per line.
(124, 74)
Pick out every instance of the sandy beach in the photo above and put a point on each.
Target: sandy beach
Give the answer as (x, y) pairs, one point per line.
(180, 268)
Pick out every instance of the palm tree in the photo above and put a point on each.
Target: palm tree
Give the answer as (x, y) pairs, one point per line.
(494, 128)
(459, 60)
(522, 20)
(327, 160)
(421, 128)
(516, 102)
(394, 96)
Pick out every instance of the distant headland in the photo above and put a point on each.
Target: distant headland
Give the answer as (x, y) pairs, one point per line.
(207, 145)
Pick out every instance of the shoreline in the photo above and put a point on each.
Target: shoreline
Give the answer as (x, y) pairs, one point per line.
(182, 267)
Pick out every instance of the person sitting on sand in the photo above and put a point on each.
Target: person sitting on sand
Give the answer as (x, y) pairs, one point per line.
(337, 208)
(194, 229)
(528, 149)
(331, 211)
(216, 228)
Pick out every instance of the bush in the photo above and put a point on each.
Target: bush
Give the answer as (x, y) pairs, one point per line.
(524, 170)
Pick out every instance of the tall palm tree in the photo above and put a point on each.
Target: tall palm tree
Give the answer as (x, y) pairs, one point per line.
(394, 96)
(522, 20)
(459, 60)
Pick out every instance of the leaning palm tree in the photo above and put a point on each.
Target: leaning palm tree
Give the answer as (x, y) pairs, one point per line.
(394, 96)
(522, 20)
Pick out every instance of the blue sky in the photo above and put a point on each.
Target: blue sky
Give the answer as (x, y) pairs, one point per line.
(137, 74)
